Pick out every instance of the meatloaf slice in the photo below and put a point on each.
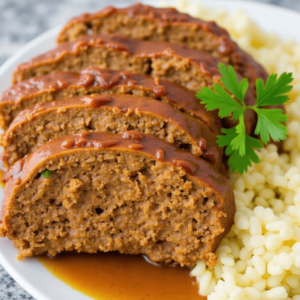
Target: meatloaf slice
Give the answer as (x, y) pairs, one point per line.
(100, 81)
(107, 192)
(189, 68)
(36, 125)
(165, 25)
(156, 59)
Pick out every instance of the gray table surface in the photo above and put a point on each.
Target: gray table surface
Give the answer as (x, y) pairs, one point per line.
(23, 20)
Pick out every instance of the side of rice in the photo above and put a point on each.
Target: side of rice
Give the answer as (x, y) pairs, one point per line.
(260, 258)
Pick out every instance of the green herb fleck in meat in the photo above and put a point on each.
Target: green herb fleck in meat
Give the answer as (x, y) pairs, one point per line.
(46, 173)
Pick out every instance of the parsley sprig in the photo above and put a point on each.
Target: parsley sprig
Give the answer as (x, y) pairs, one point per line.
(240, 146)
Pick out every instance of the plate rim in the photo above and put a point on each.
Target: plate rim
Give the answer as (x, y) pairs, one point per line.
(251, 2)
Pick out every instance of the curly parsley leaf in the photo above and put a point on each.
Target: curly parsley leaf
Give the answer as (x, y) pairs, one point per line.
(274, 91)
(220, 99)
(241, 163)
(225, 139)
(236, 161)
(230, 81)
(238, 145)
(269, 124)
(239, 142)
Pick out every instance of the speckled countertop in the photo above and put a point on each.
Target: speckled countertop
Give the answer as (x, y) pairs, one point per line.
(23, 20)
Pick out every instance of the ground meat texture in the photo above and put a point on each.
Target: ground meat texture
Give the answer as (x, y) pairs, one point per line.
(165, 25)
(37, 125)
(106, 192)
(189, 68)
(115, 52)
(100, 81)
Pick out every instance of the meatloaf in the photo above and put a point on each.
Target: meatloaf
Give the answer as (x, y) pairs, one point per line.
(37, 125)
(189, 68)
(106, 192)
(98, 81)
(164, 25)
(156, 59)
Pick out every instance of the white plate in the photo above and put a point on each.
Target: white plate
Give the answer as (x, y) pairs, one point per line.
(29, 273)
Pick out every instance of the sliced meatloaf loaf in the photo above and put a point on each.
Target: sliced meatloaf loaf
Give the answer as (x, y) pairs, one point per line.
(37, 125)
(100, 81)
(107, 192)
(156, 59)
(189, 68)
(165, 25)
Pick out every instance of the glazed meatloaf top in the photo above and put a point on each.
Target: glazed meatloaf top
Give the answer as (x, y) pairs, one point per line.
(164, 16)
(168, 25)
(144, 50)
(190, 68)
(109, 113)
(95, 80)
(181, 220)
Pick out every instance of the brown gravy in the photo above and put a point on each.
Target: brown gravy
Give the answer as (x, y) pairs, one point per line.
(113, 276)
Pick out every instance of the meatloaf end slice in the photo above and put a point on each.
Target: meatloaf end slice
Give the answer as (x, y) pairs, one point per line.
(165, 25)
(36, 125)
(189, 68)
(93, 80)
(106, 192)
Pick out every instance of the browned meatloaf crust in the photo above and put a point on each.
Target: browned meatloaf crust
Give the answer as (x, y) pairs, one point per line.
(109, 192)
(93, 80)
(165, 25)
(116, 52)
(36, 125)
(189, 68)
